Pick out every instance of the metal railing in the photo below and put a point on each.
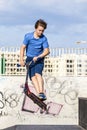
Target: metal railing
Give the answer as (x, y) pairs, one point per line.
(53, 51)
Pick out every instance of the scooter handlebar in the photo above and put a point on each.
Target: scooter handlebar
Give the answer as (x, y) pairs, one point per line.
(28, 63)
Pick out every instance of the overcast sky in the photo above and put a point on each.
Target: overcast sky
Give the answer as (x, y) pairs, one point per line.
(67, 21)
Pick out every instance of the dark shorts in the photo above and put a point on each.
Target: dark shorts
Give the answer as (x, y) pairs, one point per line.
(36, 67)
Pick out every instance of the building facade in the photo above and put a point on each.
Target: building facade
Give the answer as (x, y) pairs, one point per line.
(61, 62)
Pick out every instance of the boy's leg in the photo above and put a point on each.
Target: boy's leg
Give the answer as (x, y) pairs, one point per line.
(42, 96)
(40, 82)
(36, 77)
(38, 73)
(35, 83)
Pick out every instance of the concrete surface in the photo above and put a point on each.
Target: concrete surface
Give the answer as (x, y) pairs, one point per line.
(44, 127)
(60, 90)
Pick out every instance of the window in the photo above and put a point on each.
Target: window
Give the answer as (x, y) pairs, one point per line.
(67, 70)
(67, 65)
(79, 65)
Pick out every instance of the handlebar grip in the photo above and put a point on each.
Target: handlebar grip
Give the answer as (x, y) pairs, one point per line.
(18, 65)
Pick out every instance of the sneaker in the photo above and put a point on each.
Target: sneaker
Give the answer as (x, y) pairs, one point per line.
(42, 96)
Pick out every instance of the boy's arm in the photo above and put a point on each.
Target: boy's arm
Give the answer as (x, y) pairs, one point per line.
(22, 50)
(45, 53)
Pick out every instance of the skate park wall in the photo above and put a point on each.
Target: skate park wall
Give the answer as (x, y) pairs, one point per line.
(62, 99)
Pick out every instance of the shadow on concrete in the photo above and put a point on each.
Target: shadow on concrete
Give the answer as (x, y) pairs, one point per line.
(44, 127)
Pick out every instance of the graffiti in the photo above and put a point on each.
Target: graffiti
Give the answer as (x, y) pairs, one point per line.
(61, 92)
(1, 101)
(66, 88)
(9, 98)
(2, 113)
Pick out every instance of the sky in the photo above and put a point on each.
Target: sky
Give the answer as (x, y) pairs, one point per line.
(66, 19)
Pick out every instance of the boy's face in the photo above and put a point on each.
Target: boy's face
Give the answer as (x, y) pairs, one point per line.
(39, 30)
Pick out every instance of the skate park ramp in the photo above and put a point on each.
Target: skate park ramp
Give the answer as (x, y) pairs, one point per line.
(12, 100)
(45, 127)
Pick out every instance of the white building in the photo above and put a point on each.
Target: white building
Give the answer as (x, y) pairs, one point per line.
(61, 61)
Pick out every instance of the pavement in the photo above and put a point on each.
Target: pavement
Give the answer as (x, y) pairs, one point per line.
(44, 127)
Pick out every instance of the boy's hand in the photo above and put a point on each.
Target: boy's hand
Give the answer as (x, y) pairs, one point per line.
(35, 59)
(22, 63)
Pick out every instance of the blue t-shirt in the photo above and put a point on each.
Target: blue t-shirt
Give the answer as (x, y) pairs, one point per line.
(35, 47)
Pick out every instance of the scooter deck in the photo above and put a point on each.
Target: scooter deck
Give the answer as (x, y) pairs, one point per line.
(36, 100)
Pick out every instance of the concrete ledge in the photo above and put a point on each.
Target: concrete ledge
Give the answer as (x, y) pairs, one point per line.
(44, 127)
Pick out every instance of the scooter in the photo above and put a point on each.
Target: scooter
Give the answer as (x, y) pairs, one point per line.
(31, 95)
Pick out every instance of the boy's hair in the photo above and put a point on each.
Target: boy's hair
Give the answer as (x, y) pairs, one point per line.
(41, 22)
